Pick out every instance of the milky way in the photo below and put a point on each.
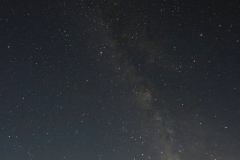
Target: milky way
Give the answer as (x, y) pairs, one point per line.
(120, 80)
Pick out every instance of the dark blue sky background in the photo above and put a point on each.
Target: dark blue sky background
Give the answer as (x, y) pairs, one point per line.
(119, 80)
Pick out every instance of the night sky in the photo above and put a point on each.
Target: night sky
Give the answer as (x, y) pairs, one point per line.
(120, 80)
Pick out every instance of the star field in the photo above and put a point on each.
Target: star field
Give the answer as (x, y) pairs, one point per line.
(120, 80)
